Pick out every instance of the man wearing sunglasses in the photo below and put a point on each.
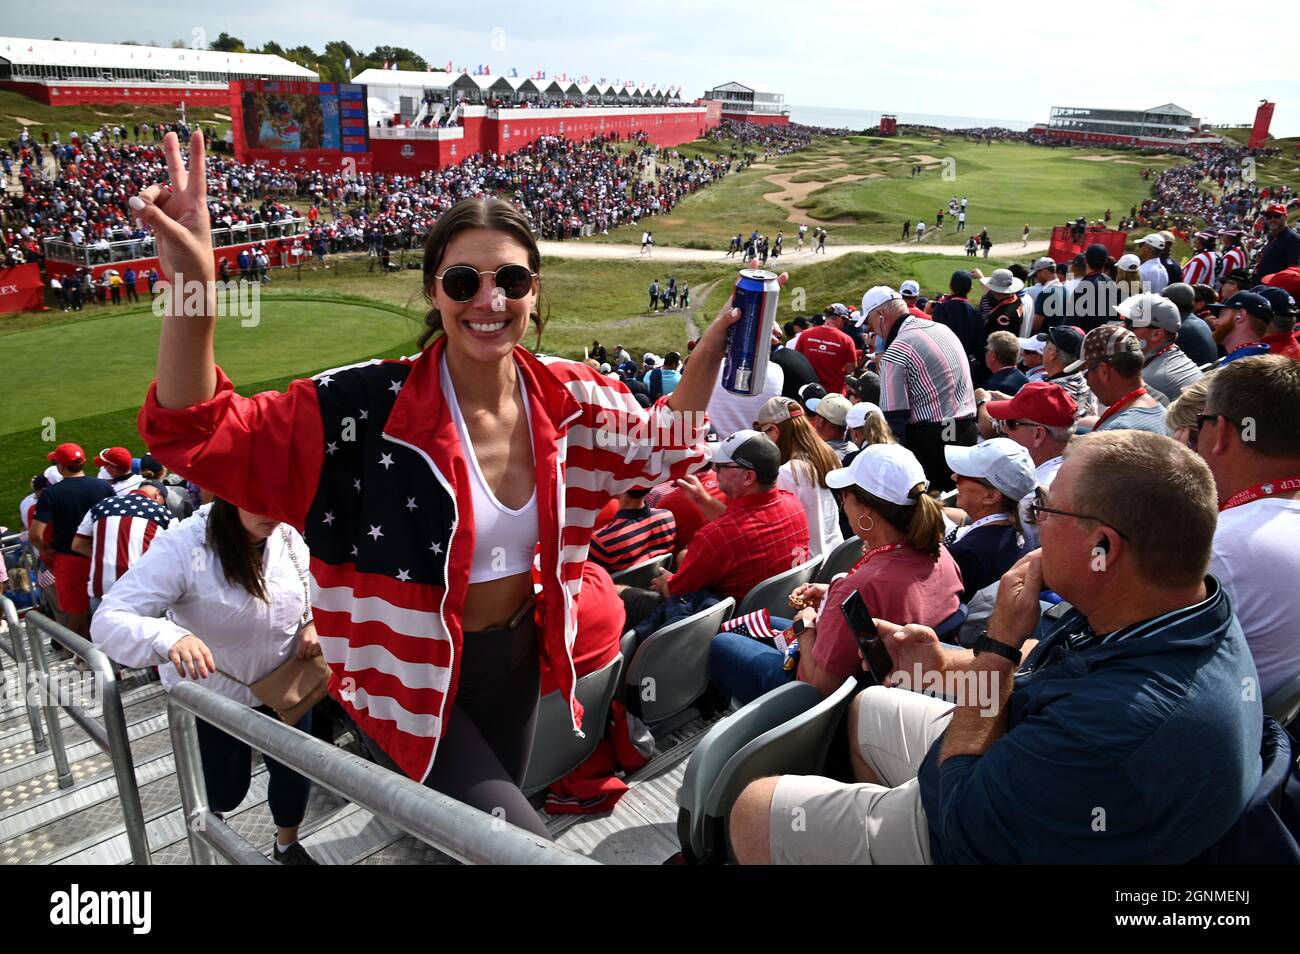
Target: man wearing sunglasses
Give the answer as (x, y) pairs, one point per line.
(1112, 365)
(1122, 736)
(1283, 248)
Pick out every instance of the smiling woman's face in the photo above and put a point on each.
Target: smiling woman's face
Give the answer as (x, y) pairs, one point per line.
(485, 329)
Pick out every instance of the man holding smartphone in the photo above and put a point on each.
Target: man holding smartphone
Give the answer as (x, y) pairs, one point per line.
(1123, 736)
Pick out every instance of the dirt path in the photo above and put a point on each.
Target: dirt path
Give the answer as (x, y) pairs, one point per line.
(603, 250)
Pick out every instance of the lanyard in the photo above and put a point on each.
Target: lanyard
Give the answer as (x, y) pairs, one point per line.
(887, 548)
(1167, 348)
(1119, 405)
(982, 521)
(1270, 488)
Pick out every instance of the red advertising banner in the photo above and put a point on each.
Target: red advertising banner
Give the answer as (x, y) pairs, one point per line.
(21, 289)
(1263, 119)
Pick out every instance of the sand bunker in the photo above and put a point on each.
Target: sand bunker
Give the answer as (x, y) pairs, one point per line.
(24, 121)
(792, 192)
(886, 159)
(221, 116)
(927, 160)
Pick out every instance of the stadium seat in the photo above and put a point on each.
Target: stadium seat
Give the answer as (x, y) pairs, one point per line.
(840, 560)
(723, 740)
(1284, 703)
(671, 666)
(773, 594)
(795, 747)
(641, 574)
(558, 751)
(1268, 831)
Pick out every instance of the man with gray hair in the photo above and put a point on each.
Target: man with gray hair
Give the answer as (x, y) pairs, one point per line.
(1155, 321)
(926, 392)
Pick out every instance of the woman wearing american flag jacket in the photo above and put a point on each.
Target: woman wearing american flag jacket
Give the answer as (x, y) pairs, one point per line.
(424, 485)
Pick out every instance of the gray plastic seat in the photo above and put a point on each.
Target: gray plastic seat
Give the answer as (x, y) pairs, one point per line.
(773, 594)
(556, 750)
(840, 560)
(723, 740)
(641, 574)
(670, 669)
(795, 747)
(1283, 704)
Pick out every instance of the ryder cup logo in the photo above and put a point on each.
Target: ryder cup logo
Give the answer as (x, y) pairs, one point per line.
(407, 150)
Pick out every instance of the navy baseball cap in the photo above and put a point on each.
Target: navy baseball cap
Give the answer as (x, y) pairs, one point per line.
(1279, 298)
(1256, 305)
(961, 282)
(1067, 338)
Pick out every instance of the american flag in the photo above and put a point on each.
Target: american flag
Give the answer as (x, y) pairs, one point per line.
(123, 529)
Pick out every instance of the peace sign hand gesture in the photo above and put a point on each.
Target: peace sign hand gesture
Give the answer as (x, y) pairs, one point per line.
(178, 213)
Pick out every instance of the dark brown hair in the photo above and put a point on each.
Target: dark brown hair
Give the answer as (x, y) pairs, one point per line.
(921, 523)
(493, 214)
(240, 560)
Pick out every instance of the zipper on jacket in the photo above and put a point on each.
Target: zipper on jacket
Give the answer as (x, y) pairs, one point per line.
(566, 596)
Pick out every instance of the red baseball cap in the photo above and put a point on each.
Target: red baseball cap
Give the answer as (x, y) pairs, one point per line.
(118, 457)
(1043, 402)
(1277, 208)
(1288, 278)
(67, 455)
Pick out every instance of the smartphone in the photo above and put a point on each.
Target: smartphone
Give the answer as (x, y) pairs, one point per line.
(860, 621)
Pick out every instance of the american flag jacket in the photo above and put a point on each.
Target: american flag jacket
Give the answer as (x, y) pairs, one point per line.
(365, 461)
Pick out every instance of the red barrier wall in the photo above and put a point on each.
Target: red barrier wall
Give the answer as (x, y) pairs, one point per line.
(1063, 248)
(21, 289)
(73, 95)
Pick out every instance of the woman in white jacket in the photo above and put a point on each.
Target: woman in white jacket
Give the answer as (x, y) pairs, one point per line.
(806, 459)
(223, 596)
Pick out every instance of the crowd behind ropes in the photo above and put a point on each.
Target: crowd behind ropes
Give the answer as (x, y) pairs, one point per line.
(1076, 488)
(567, 188)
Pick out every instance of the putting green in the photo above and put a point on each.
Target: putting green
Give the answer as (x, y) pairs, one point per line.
(106, 363)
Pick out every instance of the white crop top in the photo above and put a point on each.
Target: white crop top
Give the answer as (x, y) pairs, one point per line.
(504, 539)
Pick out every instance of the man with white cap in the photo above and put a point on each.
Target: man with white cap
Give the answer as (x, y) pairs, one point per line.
(1152, 271)
(1031, 357)
(992, 478)
(926, 391)
(829, 418)
(911, 291)
(1156, 320)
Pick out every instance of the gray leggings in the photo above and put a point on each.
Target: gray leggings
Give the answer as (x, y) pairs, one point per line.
(488, 736)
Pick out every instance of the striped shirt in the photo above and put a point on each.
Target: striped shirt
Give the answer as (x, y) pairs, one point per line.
(924, 371)
(120, 528)
(1200, 269)
(1233, 259)
(632, 537)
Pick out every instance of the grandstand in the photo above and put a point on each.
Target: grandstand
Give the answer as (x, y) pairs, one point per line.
(62, 72)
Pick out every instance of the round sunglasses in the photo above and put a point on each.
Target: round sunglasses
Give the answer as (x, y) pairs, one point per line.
(462, 282)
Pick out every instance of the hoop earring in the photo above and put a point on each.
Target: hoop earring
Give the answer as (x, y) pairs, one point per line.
(866, 529)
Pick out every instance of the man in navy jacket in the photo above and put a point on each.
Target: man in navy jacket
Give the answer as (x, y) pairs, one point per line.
(1130, 733)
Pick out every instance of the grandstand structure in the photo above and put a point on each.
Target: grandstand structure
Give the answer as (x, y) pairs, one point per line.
(66, 73)
(1166, 125)
(750, 103)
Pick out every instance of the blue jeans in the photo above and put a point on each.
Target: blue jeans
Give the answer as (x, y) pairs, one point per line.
(745, 668)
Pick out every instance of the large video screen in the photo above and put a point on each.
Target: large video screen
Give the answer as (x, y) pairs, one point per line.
(299, 116)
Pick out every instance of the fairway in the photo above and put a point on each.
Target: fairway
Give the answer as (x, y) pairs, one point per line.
(104, 364)
(1008, 184)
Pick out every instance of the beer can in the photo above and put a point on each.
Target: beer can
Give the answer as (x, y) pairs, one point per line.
(749, 340)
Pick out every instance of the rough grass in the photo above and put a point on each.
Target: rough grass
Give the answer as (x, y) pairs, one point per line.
(89, 117)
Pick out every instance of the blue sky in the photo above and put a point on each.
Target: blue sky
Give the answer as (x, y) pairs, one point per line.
(1001, 59)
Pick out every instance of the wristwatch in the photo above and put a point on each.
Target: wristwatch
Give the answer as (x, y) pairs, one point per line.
(985, 644)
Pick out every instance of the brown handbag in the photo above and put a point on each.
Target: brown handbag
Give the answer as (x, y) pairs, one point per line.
(293, 687)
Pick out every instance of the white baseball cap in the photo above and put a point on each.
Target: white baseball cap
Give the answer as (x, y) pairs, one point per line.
(1036, 344)
(909, 288)
(875, 297)
(1128, 262)
(1154, 240)
(887, 471)
(859, 413)
(1001, 461)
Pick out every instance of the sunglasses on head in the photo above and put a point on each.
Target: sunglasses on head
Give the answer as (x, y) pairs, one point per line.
(462, 282)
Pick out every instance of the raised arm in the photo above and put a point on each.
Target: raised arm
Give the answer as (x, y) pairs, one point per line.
(178, 214)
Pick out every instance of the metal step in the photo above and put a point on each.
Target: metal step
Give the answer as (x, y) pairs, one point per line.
(144, 703)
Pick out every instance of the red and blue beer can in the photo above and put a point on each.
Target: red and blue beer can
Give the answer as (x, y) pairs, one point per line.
(749, 340)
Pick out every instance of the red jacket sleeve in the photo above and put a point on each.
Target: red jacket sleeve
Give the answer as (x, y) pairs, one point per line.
(262, 453)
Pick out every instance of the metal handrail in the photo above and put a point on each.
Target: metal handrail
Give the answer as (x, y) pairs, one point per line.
(111, 735)
(18, 650)
(465, 833)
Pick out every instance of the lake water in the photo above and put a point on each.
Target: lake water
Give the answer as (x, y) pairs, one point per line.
(866, 118)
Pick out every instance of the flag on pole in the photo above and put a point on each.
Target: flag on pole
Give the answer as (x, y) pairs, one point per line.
(347, 64)
(449, 66)
(514, 72)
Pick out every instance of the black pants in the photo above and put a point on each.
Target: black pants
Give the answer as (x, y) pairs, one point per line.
(228, 769)
(927, 442)
(488, 737)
